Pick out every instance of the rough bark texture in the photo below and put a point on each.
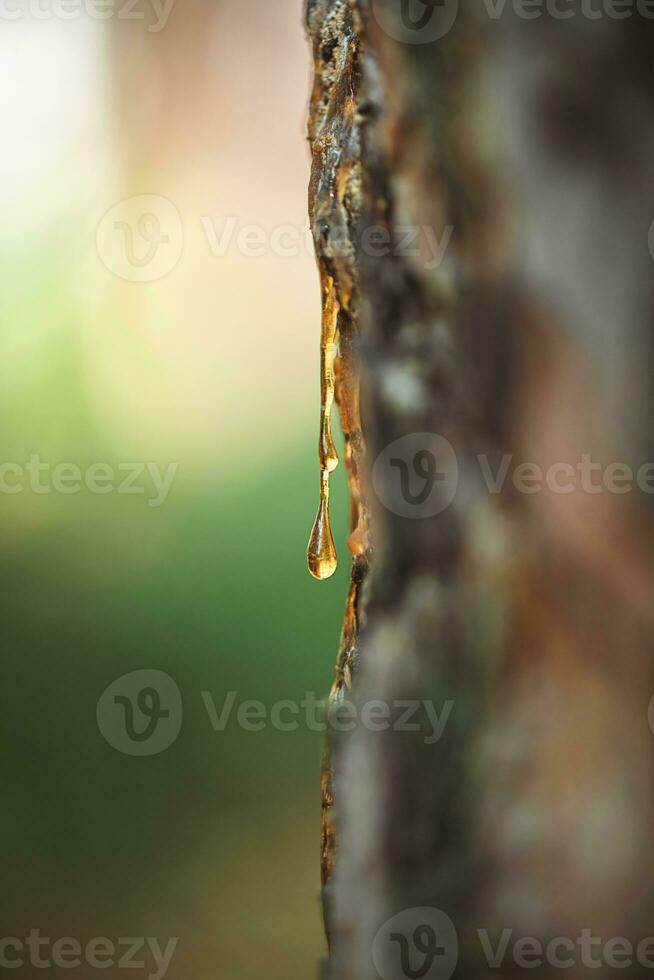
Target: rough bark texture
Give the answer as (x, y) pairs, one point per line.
(531, 613)
(335, 207)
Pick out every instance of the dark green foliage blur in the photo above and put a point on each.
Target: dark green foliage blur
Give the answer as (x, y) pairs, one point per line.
(215, 840)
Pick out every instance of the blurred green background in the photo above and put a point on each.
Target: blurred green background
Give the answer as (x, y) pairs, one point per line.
(214, 366)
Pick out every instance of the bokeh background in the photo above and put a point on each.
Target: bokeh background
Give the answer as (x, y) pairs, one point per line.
(213, 366)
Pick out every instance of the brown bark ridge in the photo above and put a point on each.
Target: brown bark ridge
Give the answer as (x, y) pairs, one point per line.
(334, 207)
(523, 617)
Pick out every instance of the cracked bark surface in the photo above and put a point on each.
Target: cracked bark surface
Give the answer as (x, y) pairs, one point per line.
(531, 613)
(334, 207)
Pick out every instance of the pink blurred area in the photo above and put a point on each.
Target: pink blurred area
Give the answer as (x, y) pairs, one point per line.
(207, 111)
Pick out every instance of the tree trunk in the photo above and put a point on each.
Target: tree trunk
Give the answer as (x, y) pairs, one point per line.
(481, 204)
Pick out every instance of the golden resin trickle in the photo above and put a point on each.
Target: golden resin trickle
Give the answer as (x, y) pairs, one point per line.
(321, 553)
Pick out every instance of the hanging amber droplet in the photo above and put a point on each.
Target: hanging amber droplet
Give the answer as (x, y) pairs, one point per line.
(321, 553)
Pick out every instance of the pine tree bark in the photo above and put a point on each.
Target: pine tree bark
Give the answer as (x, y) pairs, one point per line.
(526, 146)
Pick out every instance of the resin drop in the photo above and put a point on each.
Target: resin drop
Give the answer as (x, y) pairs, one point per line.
(321, 553)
